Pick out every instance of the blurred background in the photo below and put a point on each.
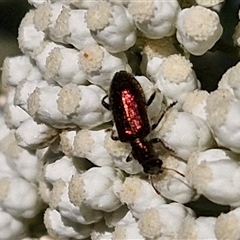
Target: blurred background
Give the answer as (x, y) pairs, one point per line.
(11, 13)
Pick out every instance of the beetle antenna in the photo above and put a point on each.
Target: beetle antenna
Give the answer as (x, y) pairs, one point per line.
(171, 169)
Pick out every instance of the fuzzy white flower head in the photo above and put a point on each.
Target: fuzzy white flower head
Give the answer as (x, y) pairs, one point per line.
(11, 227)
(150, 89)
(14, 115)
(184, 133)
(215, 173)
(198, 29)
(69, 106)
(105, 20)
(29, 38)
(46, 15)
(119, 152)
(70, 27)
(156, 19)
(200, 228)
(164, 221)
(15, 69)
(59, 70)
(195, 103)
(154, 51)
(222, 116)
(57, 226)
(24, 163)
(33, 135)
(128, 231)
(139, 195)
(176, 78)
(228, 225)
(19, 188)
(96, 192)
(90, 144)
(24, 89)
(59, 200)
(100, 65)
(170, 184)
(230, 80)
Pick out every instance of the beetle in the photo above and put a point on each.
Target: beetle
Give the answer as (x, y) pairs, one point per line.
(129, 108)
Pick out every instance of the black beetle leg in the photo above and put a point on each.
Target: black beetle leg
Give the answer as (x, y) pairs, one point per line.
(114, 136)
(150, 100)
(105, 104)
(129, 158)
(162, 115)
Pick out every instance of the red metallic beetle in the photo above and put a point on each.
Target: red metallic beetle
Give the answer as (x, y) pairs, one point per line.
(128, 105)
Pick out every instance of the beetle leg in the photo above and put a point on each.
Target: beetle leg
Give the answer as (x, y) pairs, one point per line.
(129, 158)
(162, 115)
(105, 104)
(114, 136)
(150, 100)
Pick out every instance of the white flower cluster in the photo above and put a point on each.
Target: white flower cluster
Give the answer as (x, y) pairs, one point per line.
(71, 51)
(19, 198)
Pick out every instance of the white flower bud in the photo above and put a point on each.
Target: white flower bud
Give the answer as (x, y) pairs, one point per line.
(170, 184)
(59, 200)
(96, 188)
(154, 51)
(62, 66)
(62, 228)
(222, 116)
(82, 105)
(24, 89)
(198, 29)
(156, 19)
(119, 152)
(41, 54)
(200, 228)
(164, 222)
(63, 167)
(100, 65)
(230, 81)
(125, 232)
(6, 169)
(22, 162)
(70, 27)
(90, 144)
(215, 173)
(195, 103)
(28, 204)
(45, 15)
(139, 195)
(32, 135)
(14, 115)
(155, 108)
(176, 78)
(29, 38)
(228, 225)
(184, 133)
(10, 227)
(15, 69)
(116, 34)
(69, 106)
